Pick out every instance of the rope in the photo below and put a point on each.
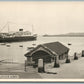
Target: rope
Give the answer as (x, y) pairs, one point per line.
(15, 24)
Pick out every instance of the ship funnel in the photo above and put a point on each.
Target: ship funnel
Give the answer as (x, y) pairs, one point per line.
(20, 29)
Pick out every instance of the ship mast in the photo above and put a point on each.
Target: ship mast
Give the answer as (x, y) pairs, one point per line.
(32, 29)
(3, 27)
(8, 27)
(33, 34)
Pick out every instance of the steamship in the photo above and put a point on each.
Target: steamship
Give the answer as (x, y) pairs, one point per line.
(18, 36)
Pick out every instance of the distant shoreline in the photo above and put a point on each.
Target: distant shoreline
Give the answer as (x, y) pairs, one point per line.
(66, 35)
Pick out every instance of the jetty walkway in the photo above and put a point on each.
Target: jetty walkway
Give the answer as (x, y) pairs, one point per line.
(16, 69)
(74, 70)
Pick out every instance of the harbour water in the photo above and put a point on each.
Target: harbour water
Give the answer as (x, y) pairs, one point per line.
(14, 52)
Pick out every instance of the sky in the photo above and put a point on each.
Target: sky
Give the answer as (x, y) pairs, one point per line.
(46, 17)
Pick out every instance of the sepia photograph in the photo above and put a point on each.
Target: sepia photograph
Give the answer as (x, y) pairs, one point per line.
(42, 41)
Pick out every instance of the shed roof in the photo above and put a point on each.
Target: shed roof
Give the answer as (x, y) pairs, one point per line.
(55, 47)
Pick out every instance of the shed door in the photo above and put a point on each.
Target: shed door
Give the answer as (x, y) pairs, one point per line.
(41, 55)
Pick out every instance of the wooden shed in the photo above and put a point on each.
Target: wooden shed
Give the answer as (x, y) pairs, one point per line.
(48, 52)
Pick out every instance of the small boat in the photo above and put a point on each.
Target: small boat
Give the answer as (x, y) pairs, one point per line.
(69, 44)
(30, 48)
(20, 45)
(33, 44)
(3, 43)
(8, 45)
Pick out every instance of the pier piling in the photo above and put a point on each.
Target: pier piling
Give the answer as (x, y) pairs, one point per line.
(41, 66)
(25, 65)
(67, 59)
(82, 53)
(56, 64)
(75, 56)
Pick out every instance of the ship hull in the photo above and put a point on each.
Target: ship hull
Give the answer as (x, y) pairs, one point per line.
(18, 39)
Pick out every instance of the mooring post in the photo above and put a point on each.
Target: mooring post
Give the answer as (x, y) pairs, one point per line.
(56, 64)
(75, 56)
(25, 66)
(67, 59)
(82, 53)
(41, 66)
